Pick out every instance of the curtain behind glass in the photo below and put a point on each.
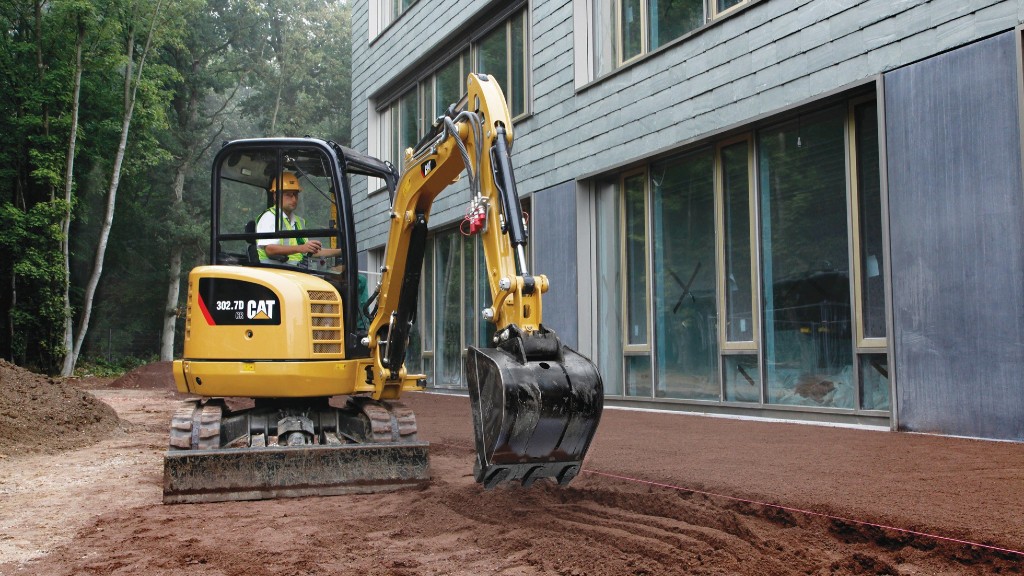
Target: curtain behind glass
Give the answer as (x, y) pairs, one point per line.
(609, 288)
(604, 43)
(807, 336)
(685, 314)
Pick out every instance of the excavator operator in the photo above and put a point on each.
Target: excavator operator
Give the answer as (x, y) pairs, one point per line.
(288, 250)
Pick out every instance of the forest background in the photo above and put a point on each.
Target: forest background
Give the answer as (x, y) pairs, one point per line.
(111, 112)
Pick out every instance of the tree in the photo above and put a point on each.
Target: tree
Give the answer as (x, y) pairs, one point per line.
(39, 65)
(303, 84)
(143, 23)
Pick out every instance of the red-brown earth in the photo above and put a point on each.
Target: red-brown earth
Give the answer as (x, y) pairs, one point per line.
(80, 493)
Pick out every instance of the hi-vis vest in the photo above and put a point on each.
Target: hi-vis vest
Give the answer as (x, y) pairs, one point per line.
(300, 224)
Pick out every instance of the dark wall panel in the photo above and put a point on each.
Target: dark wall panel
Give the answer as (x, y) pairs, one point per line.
(957, 231)
(553, 237)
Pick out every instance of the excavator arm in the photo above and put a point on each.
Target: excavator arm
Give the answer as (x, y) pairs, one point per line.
(536, 404)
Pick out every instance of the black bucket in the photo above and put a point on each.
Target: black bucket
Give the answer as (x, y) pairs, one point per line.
(536, 406)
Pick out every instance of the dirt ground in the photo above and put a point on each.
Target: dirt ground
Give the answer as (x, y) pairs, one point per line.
(660, 494)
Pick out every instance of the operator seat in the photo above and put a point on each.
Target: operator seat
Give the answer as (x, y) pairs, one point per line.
(251, 251)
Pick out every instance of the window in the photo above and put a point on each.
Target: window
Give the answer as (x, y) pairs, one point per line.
(750, 270)
(444, 88)
(805, 254)
(683, 276)
(403, 119)
(622, 30)
(384, 12)
(502, 54)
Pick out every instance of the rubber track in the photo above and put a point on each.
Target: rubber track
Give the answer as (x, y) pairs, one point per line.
(195, 426)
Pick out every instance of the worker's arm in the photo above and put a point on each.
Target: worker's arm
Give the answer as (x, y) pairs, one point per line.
(313, 247)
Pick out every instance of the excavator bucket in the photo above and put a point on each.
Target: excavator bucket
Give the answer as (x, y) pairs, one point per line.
(536, 405)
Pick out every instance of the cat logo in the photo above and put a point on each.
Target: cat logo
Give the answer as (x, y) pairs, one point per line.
(260, 309)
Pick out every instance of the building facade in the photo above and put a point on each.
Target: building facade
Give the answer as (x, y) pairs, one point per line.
(799, 210)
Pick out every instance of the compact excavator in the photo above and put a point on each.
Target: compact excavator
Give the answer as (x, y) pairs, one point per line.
(296, 373)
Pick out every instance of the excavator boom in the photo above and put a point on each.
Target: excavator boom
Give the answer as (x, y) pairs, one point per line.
(536, 403)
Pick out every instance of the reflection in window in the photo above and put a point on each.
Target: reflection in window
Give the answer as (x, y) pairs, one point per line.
(723, 5)
(869, 199)
(807, 336)
(742, 379)
(683, 244)
(624, 29)
(630, 29)
(485, 328)
(447, 88)
(404, 126)
(874, 382)
(502, 53)
(739, 289)
(636, 259)
(447, 306)
(670, 19)
(427, 314)
(469, 313)
(638, 376)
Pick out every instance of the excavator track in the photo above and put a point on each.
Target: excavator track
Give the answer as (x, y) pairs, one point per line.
(290, 449)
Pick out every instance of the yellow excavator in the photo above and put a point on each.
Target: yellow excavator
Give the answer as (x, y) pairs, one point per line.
(297, 372)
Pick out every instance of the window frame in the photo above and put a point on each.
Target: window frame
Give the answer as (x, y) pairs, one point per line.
(635, 349)
(384, 13)
(725, 344)
(861, 342)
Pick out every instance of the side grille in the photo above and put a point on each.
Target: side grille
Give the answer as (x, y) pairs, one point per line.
(325, 321)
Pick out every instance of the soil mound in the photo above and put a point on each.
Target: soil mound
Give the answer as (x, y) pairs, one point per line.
(42, 414)
(154, 376)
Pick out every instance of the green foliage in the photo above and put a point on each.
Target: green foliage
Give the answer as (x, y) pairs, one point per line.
(104, 368)
(33, 239)
(214, 71)
(304, 86)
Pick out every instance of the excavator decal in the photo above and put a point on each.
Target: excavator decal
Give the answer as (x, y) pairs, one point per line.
(226, 302)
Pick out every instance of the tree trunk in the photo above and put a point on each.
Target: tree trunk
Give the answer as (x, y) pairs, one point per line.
(69, 165)
(174, 269)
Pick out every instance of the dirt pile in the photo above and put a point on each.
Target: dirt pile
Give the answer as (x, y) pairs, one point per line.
(42, 414)
(155, 376)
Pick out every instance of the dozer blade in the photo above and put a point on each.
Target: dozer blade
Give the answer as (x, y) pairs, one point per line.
(536, 405)
(261, 473)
